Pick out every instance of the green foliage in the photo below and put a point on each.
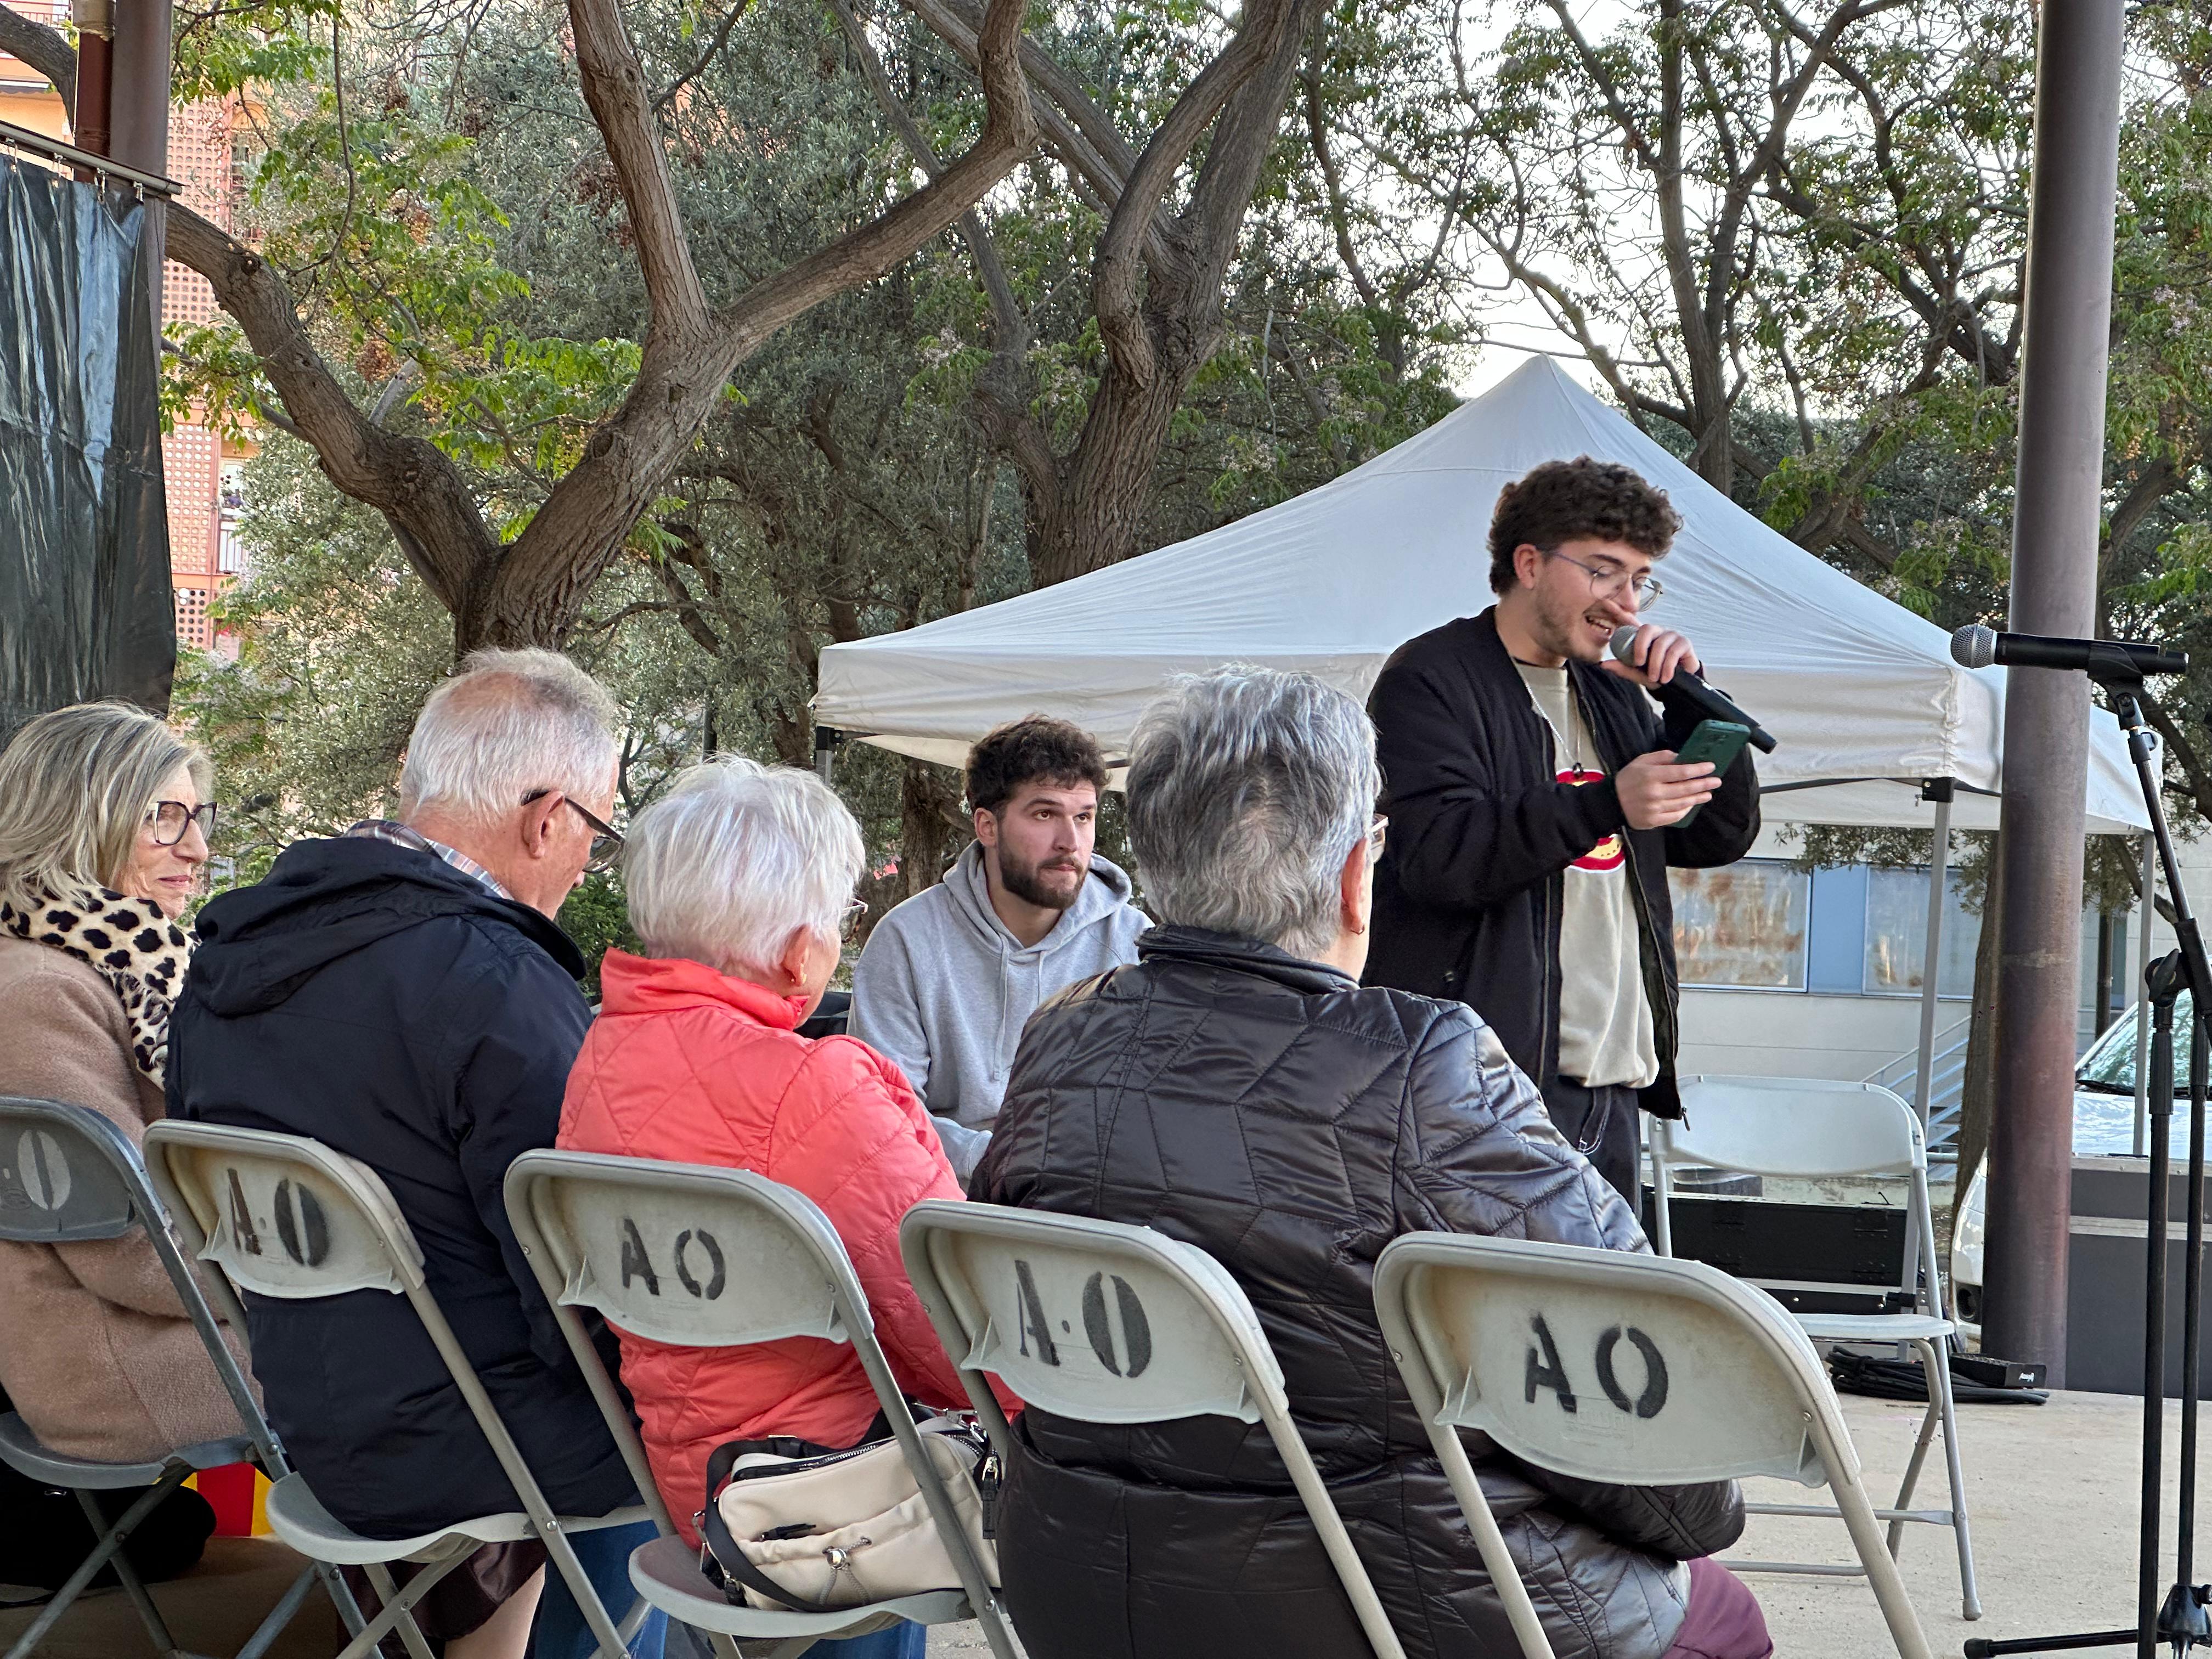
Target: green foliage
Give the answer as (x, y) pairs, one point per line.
(595, 917)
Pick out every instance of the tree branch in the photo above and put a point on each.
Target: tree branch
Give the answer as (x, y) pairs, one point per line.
(614, 88)
(46, 50)
(2184, 752)
(414, 484)
(1008, 321)
(713, 49)
(1116, 266)
(684, 368)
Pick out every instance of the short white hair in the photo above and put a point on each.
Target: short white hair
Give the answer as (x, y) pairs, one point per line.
(735, 859)
(507, 723)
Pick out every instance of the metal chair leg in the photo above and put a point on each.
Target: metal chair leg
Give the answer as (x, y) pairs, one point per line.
(1929, 1421)
(157, 1628)
(410, 1633)
(282, 1614)
(399, 1605)
(1970, 1597)
(111, 1542)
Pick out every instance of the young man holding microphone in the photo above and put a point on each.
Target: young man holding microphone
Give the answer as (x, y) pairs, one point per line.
(1535, 803)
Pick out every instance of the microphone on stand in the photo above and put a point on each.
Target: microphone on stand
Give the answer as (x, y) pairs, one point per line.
(1683, 686)
(1977, 646)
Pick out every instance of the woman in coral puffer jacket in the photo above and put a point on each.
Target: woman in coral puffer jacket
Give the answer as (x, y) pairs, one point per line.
(738, 880)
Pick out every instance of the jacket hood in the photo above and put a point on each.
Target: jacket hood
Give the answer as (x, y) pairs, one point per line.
(653, 985)
(1107, 891)
(323, 900)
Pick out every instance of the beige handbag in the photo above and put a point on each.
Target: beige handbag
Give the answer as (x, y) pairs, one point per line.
(795, 1526)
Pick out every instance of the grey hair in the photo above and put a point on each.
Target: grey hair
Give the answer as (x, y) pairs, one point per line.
(507, 723)
(735, 859)
(76, 786)
(1248, 788)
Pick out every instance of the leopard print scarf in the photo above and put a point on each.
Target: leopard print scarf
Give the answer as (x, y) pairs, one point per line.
(128, 943)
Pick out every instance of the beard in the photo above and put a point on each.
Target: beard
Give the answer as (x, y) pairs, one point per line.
(1580, 632)
(1045, 886)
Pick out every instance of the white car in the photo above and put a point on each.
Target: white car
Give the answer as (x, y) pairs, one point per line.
(2104, 1127)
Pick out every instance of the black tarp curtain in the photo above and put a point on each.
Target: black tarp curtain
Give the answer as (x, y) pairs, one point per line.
(85, 603)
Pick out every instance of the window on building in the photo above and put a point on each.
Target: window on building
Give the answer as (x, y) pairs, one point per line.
(1896, 936)
(1744, 926)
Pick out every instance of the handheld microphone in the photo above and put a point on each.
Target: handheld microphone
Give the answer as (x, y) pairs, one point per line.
(1686, 686)
(1977, 646)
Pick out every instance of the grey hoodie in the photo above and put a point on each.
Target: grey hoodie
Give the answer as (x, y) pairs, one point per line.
(943, 989)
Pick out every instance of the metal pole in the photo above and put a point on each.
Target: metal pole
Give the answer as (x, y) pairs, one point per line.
(140, 115)
(1939, 867)
(2145, 921)
(2056, 514)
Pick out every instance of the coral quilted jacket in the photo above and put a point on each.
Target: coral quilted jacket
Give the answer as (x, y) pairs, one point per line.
(693, 1067)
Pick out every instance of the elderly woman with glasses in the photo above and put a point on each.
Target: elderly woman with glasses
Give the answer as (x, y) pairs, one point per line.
(1238, 1089)
(741, 883)
(104, 821)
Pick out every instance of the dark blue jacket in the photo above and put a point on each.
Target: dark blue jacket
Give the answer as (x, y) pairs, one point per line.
(372, 996)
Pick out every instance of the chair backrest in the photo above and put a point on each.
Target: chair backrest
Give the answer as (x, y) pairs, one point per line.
(281, 1215)
(1806, 1126)
(1108, 1323)
(1091, 1319)
(693, 1254)
(709, 1256)
(66, 1175)
(1609, 1366)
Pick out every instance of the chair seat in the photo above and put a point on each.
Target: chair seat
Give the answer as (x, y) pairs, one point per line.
(21, 1451)
(298, 1518)
(665, 1572)
(1875, 1327)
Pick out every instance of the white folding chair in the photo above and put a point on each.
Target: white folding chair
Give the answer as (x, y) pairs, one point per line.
(1627, 1368)
(711, 1257)
(1006, 1288)
(1810, 1128)
(288, 1218)
(67, 1175)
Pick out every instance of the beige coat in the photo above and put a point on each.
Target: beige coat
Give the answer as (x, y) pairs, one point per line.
(95, 1350)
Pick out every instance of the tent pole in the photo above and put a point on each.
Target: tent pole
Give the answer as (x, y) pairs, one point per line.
(826, 740)
(2150, 917)
(1939, 868)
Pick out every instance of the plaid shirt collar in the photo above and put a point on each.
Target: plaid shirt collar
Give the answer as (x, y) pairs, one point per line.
(400, 836)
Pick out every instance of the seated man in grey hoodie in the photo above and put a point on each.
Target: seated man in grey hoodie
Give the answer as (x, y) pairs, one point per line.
(948, 978)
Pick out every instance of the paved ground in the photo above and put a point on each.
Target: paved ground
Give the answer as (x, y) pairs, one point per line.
(2052, 1489)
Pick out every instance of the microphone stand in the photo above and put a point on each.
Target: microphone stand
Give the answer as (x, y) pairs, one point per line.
(2181, 1619)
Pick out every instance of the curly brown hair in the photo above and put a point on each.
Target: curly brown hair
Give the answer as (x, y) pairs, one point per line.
(1577, 500)
(1036, 748)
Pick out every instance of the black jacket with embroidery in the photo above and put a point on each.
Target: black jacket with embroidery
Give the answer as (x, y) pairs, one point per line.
(1470, 889)
(1292, 1124)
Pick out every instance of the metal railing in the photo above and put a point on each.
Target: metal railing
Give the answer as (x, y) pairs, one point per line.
(1946, 1086)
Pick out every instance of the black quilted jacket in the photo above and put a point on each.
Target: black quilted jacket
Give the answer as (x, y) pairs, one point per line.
(1292, 1124)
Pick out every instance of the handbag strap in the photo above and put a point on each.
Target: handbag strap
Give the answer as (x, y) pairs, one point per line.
(735, 1565)
(723, 1546)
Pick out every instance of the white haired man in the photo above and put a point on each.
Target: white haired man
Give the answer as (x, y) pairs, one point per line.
(401, 992)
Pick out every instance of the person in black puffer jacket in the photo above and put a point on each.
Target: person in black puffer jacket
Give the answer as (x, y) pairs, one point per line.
(1238, 1089)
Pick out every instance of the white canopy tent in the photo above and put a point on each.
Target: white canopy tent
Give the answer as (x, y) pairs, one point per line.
(1861, 694)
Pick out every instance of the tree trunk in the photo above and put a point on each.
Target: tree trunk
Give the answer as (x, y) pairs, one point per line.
(1095, 518)
(929, 825)
(1977, 1097)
